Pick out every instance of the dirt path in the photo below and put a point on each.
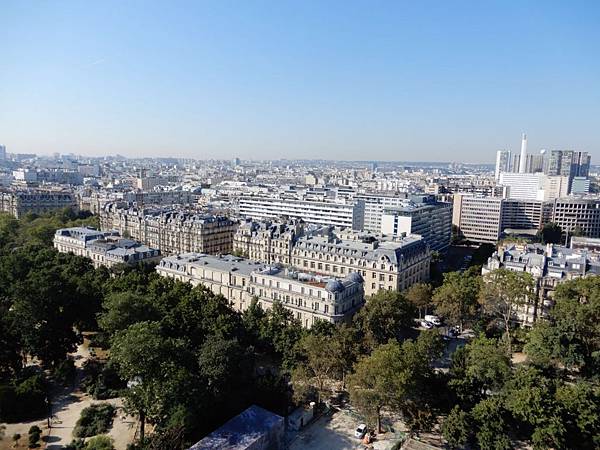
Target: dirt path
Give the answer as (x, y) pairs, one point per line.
(66, 409)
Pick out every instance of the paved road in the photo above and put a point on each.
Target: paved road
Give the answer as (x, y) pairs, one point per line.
(336, 431)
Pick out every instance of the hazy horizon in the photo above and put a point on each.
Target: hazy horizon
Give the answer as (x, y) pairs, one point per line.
(427, 82)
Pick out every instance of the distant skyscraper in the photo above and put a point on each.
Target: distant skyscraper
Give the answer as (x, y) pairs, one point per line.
(503, 162)
(2, 152)
(535, 163)
(523, 157)
(568, 163)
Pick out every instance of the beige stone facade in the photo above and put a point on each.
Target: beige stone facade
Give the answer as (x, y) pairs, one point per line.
(310, 298)
(172, 231)
(267, 242)
(384, 265)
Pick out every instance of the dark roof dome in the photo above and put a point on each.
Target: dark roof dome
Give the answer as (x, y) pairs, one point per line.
(334, 286)
(355, 277)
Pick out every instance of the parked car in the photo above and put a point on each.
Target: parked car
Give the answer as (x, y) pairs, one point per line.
(360, 431)
(427, 325)
(433, 319)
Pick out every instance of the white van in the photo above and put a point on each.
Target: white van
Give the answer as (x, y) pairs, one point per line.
(433, 319)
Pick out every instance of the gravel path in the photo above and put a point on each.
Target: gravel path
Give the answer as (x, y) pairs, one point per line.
(67, 408)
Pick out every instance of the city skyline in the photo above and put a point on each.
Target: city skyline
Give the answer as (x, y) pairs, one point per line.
(263, 81)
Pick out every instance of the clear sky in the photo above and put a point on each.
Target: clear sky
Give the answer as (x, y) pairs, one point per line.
(398, 80)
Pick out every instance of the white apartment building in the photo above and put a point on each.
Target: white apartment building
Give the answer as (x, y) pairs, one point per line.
(375, 204)
(103, 248)
(35, 201)
(478, 218)
(549, 266)
(342, 214)
(428, 218)
(309, 297)
(534, 186)
(503, 163)
(76, 240)
(384, 265)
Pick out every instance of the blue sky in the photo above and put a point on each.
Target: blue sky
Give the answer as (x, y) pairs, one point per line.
(400, 80)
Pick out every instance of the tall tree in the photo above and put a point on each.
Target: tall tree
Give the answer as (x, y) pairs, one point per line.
(491, 423)
(530, 398)
(346, 342)
(122, 309)
(395, 376)
(579, 404)
(46, 309)
(419, 295)
(319, 367)
(149, 361)
(282, 331)
(456, 298)
(378, 381)
(456, 428)
(551, 233)
(385, 316)
(504, 294)
(488, 364)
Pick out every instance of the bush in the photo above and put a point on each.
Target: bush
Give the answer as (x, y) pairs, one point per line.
(101, 380)
(34, 437)
(76, 444)
(95, 419)
(519, 338)
(24, 400)
(99, 443)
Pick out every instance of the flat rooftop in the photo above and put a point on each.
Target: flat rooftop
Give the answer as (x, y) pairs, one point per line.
(252, 425)
(231, 263)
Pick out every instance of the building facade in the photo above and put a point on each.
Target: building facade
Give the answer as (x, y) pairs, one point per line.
(568, 163)
(103, 248)
(384, 265)
(534, 186)
(549, 266)
(478, 219)
(375, 204)
(309, 297)
(426, 217)
(19, 203)
(266, 241)
(503, 163)
(577, 215)
(171, 230)
(324, 212)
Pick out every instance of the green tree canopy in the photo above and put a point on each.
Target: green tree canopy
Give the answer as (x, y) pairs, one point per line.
(385, 316)
(396, 376)
(571, 337)
(551, 233)
(320, 364)
(122, 309)
(456, 428)
(504, 294)
(419, 295)
(456, 298)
